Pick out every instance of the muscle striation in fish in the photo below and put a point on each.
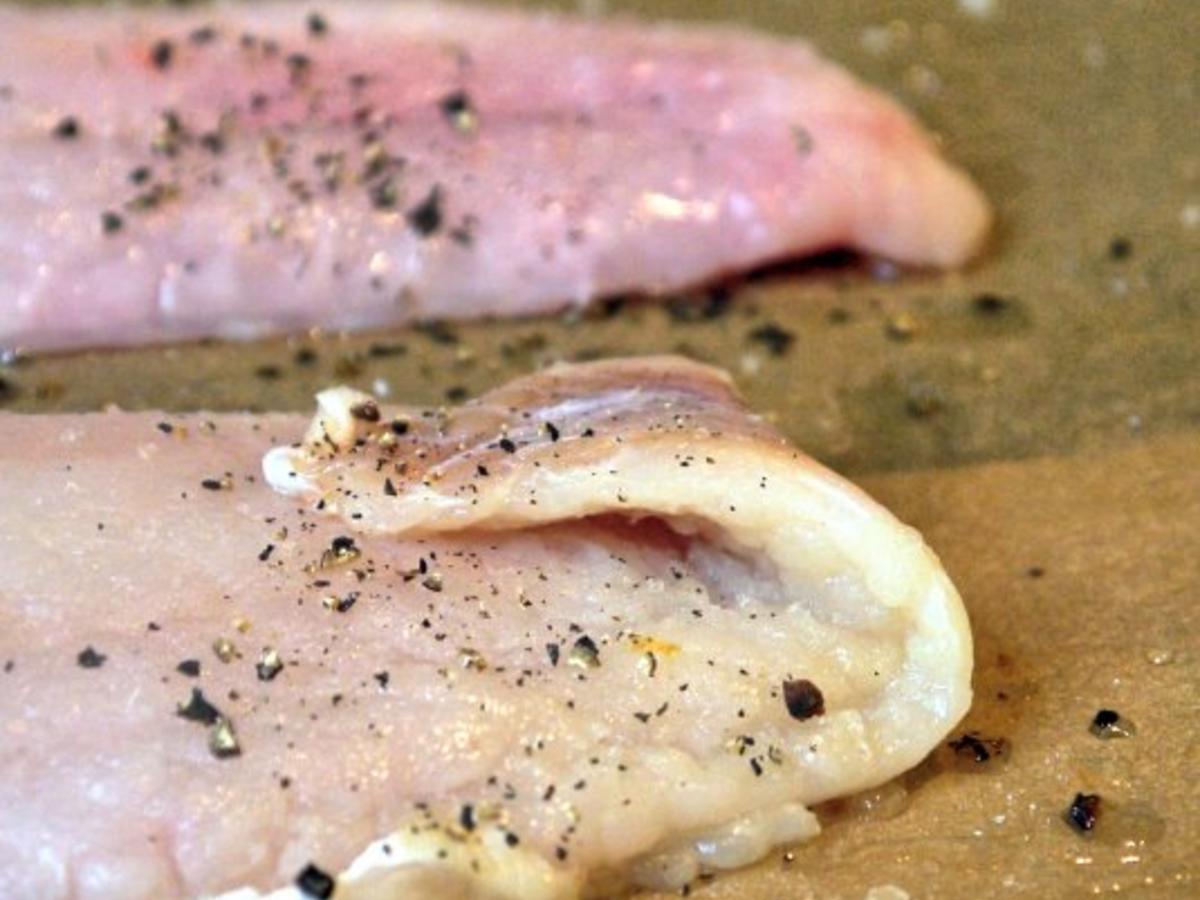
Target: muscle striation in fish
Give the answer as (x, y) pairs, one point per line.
(231, 171)
(599, 627)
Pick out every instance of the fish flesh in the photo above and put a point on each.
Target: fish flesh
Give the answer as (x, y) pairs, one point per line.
(599, 628)
(242, 170)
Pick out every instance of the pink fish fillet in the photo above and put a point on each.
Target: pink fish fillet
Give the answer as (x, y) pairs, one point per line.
(600, 627)
(244, 170)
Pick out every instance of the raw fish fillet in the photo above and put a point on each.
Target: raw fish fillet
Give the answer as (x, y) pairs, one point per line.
(237, 171)
(600, 627)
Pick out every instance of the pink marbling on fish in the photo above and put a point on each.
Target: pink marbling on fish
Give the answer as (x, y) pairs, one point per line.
(585, 158)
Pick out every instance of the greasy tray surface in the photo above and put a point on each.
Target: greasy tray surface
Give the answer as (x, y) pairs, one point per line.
(1077, 119)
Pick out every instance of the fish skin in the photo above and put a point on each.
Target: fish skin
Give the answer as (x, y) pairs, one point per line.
(759, 561)
(602, 158)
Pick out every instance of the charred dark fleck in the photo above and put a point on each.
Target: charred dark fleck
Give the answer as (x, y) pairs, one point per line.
(803, 699)
(507, 446)
(346, 602)
(265, 553)
(314, 882)
(552, 430)
(382, 679)
(67, 128)
(389, 488)
(161, 54)
(1084, 811)
(777, 340)
(511, 839)
(268, 372)
(482, 471)
(198, 709)
(466, 817)
(400, 427)
(457, 394)
(90, 658)
(165, 427)
(211, 484)
(426, 217)
(111, 222)
(189, 667)
(552, 651)
(1120, 248)
(305, 356)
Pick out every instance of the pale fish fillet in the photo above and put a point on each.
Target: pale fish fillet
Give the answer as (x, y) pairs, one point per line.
(236, 171)
(601, 628)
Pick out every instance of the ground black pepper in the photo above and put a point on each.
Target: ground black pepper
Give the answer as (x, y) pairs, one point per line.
(803, 699)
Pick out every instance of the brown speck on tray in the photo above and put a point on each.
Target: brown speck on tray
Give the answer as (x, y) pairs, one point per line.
(8, 390)
(1084, 812)
(923, 401)
(989, 304)
(776, 339)
(977, 748)
(1120, 248)
(1108, 723)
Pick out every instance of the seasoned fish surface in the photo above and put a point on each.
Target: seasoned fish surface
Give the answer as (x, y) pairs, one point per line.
(242, 170)
(599, 626)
